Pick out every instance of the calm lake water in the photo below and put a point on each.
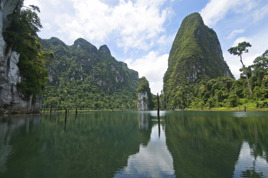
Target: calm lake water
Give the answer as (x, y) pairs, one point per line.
(135, 144)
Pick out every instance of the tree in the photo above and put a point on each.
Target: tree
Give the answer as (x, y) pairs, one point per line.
(21, 36)
(238, 50)
(260, 66)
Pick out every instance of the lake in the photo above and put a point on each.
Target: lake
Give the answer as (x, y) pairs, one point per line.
(135, 144)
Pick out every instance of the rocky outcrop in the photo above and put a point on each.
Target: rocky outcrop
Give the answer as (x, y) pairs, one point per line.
(143, 101)
(105, 49)
(11, 100)
(195, 56)
(144, 95)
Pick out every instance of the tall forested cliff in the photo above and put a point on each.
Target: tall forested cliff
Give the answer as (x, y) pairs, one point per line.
(195, 56)
(83, 76)
(22, 62)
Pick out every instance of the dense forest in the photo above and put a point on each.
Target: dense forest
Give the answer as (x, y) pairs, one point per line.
(225, 92)
(82, 76)
(195, 57)
(21, 36)
(198, 78)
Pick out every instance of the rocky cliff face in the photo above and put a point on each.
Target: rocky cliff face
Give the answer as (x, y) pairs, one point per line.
(144, 102)
(11, 100)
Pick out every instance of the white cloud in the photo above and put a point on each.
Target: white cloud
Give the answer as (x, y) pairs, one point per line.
(136, 24)
(259, 46)
(153, 67)
(234, 61)
(216, 10)
(248, 162)
(235, 32)
(32, 2)
(154, 159)
(166, 41)
(259, 14)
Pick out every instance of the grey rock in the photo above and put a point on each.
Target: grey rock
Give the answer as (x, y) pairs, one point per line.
(12, 100)
(143, 101)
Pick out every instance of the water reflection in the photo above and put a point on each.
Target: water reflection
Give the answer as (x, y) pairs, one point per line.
(152, 160)
(249, 165)
(208, 144)
(10, 128)
(93, 145)
(135, 144)
(144, 121)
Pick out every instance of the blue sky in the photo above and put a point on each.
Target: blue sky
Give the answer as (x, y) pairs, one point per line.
(141, 32)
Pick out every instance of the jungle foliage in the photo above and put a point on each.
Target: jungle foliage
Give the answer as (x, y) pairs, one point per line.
(85, 77)
(197, 76)
(195, 56)
(224, 92)
(21, 36)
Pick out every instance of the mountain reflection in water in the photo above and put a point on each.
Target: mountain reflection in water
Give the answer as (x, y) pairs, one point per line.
(135, 144)
(152, 160)
(250, 165)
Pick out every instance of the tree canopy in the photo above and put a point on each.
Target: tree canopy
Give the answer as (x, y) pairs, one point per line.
(238, 50)
(226, 92)
(21, 36)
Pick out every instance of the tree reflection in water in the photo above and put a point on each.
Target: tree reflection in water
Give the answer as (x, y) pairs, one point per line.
(107, 144)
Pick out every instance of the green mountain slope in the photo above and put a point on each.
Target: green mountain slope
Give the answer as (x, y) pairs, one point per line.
(81, 75)
(195, 56)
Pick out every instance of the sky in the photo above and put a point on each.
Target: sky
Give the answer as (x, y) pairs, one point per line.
(141, 32)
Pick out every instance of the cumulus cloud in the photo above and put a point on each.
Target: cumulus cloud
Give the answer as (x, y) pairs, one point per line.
(136, 24)
(259, 46)
(32, 2)
(216, 10)
(234, 61)
(154, 159)
(152, 66)
(130, 24)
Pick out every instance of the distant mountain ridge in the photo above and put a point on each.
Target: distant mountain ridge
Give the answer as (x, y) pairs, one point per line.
(85, 76)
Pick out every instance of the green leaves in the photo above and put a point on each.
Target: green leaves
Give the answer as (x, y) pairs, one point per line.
(21, 36)
(143, 85)
(238, 50)
(83, 76)
(195, 57)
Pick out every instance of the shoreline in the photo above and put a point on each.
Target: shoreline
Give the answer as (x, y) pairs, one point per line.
(2, 115)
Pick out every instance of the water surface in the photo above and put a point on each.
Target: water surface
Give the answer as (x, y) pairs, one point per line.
(135, 144)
